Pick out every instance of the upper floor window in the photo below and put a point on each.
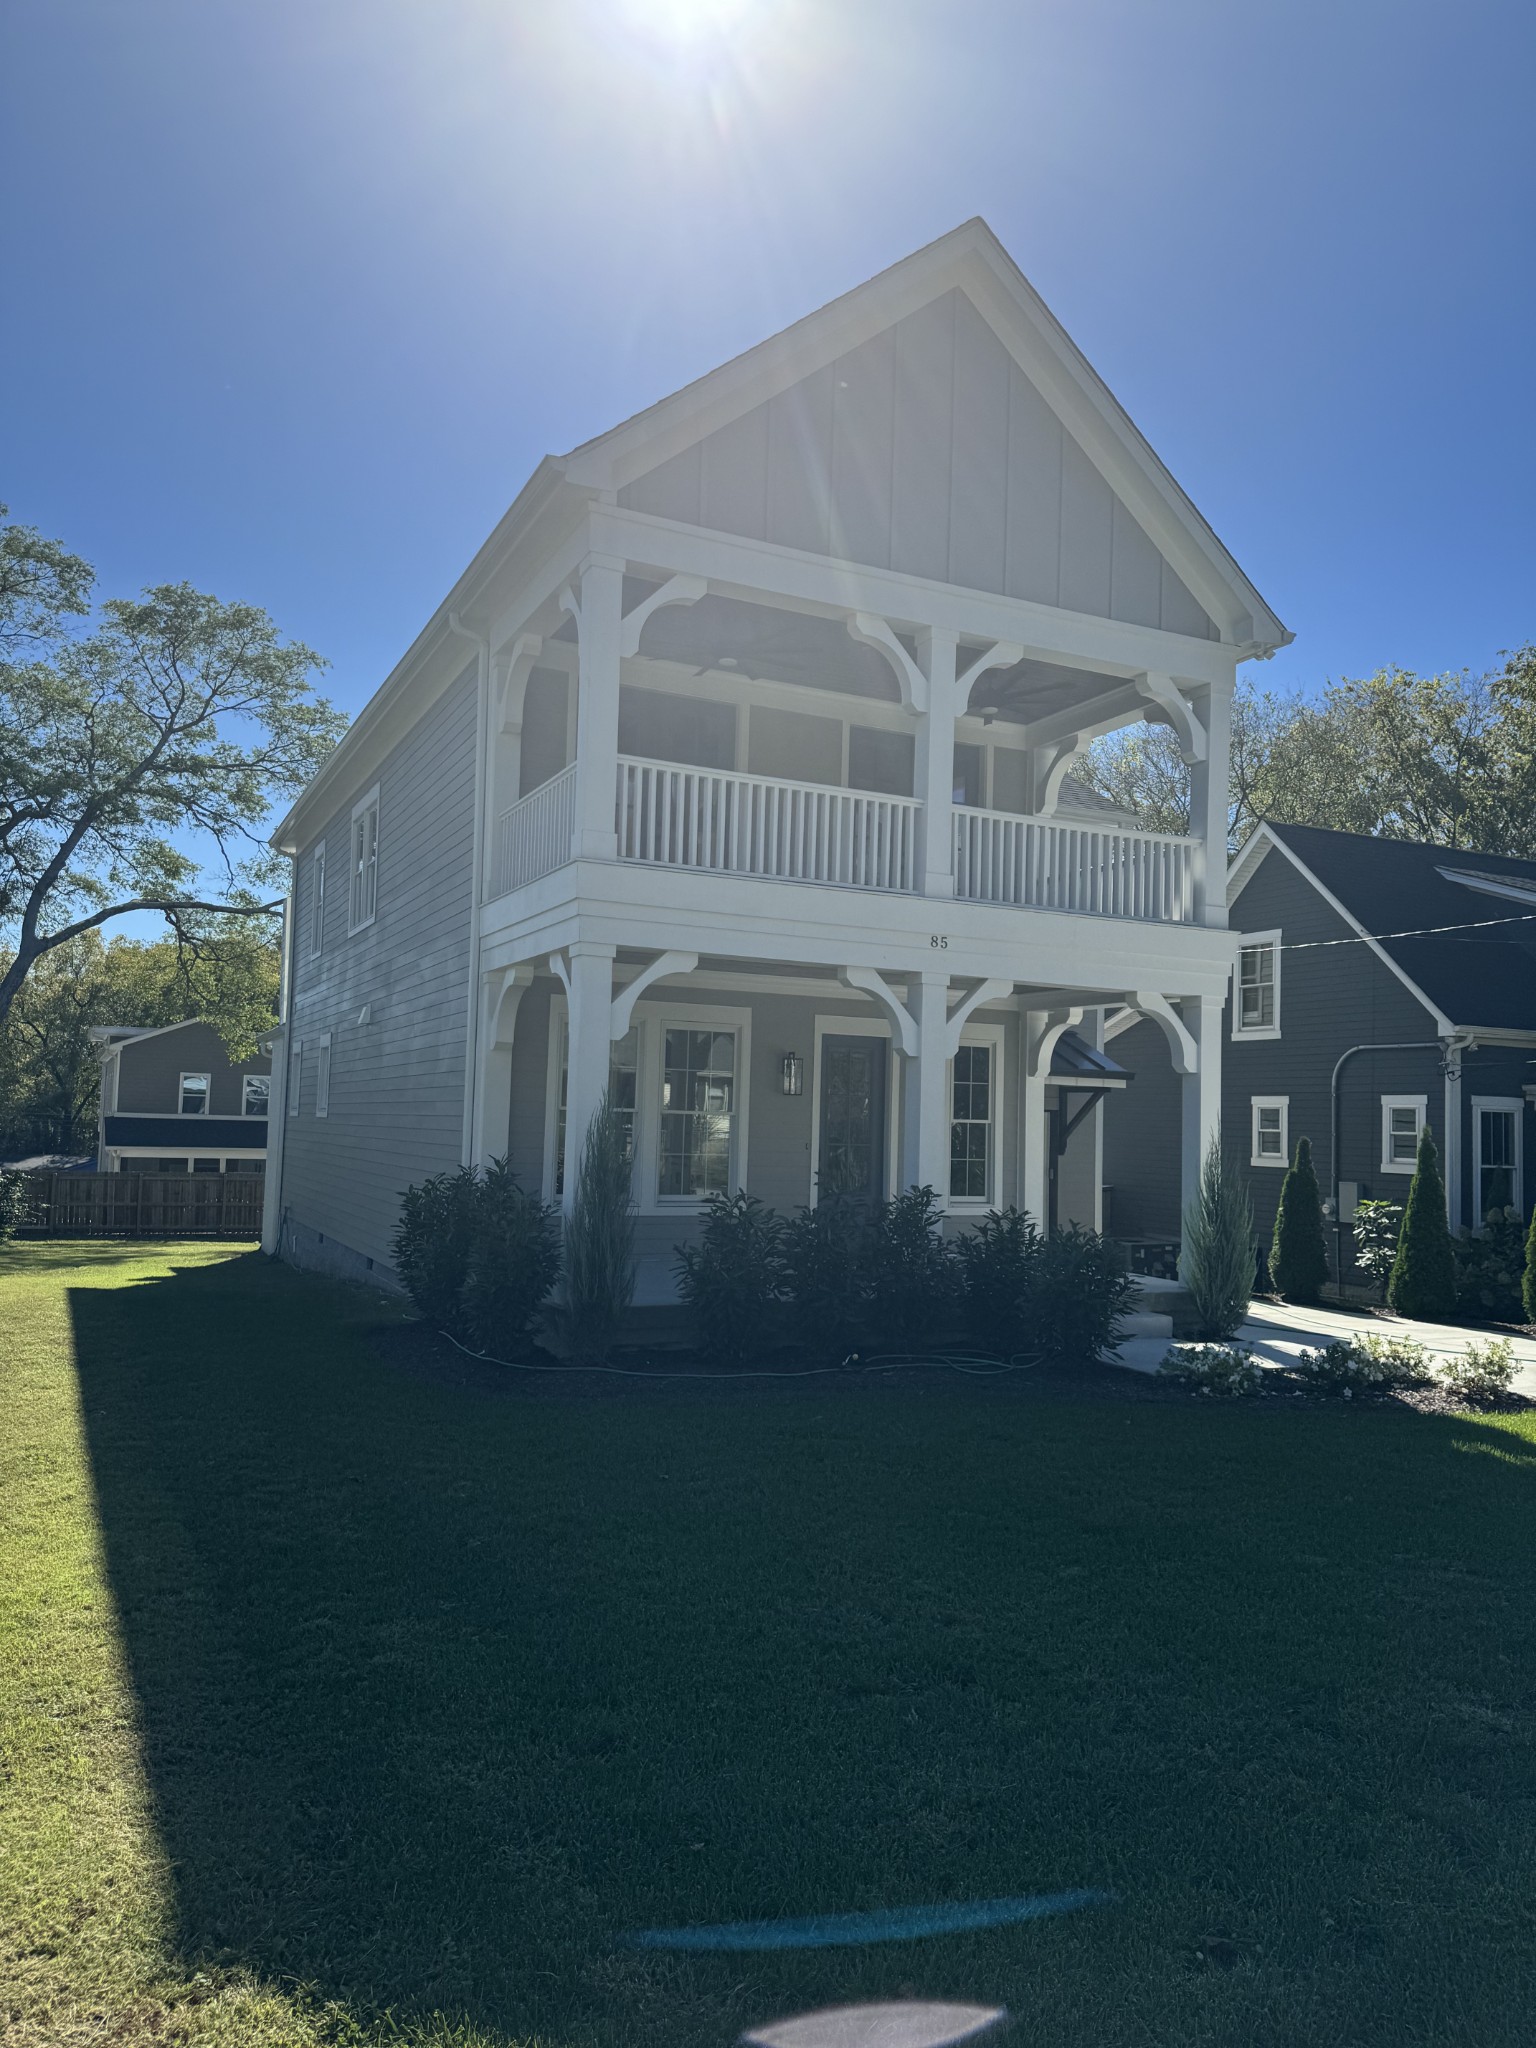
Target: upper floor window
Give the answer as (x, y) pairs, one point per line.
(1402, 1119)
(194, 1095)
(317, 897)
(255, 1091)
(365, 862)
(1256, 1012)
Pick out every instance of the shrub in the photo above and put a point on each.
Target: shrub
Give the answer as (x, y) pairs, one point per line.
(1483, 1371)
(1423, 1281)
(15, 1203)
(998, 1264)
(732, 1280)
(513, 1264)
(600, 1239)
(1226, 1370)
(1528, 1278)
(1335, 1369)
(1490, 1267)
(1218, 1265)
(909, 1277)
(1082, 1294)
(1376, 1228)
(1396, 1361)
(1366, 1365)
(1298, 1259)
(431, 1244)
(825, 1252)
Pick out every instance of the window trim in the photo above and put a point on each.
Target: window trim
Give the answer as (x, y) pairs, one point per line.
(1245, 941)
(245, 1093)
(1283, 1104)
(994, 1035)
(1420, 1105)
(317, 902)
(295, 1075)
(853, 1027)
(1515, 1106)
(360, 809)
(323, 1076)
(192, 1074)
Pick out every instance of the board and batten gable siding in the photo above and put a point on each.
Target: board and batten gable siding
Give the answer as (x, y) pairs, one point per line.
(928, 450)
(149, 1071)
(396, 1110)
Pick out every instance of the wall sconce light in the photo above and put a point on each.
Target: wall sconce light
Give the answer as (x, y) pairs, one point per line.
(793, 1072)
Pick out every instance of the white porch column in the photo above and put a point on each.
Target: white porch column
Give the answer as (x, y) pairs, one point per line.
(1200, 1092)
(1208, 787)
(1041, 1030)
(599, 625)
(935, 776)
(924, 1110)
(501, 992)
(590, 995)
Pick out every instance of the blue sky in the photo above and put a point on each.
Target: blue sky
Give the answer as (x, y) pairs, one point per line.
(300, 291)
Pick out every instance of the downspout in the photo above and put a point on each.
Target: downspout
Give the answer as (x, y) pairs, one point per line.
(482, 648)
(272, 1211)
(1438, 1045)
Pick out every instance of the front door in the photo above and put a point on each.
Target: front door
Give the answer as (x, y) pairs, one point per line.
(850, 1150)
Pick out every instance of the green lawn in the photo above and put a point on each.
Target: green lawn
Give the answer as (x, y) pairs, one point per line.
(339, 1705)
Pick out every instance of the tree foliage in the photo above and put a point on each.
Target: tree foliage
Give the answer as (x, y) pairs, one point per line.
(1218, 1262)
(1423, 1281)
(1298, 1259)
(140, 752)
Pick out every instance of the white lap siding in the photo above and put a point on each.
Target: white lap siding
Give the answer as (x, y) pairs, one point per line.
(396, 1109)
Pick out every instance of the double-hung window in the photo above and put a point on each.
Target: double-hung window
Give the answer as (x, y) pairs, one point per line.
(317, 897)
(255, 1090)
(1270, 1134)
(364, 900)
(194, 1095)
(698, 1112)
(323, 1076)
(1402, 1119)
(1256, 1007)
(975, 1116)
(1496, 1153)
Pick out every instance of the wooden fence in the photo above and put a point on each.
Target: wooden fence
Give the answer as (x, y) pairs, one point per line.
(144, 1205)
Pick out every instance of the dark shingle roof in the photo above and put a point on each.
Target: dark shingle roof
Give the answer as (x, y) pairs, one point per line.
(1476, 977)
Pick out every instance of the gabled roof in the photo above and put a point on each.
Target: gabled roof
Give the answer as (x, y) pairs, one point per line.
(1459, 928)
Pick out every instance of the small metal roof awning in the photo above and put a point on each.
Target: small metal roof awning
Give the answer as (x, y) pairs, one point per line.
(1077, 1064)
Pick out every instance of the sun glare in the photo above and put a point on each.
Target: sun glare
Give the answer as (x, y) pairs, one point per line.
(688, 28)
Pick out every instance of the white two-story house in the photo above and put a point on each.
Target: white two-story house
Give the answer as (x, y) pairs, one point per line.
(734, 775)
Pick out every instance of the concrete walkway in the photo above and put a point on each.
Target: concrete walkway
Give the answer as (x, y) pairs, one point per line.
(1277, 1332)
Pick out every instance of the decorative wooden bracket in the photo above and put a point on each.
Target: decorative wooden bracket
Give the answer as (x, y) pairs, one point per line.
(504, 989)
(869, 983)
(1186, 1054)
(510, 668)
(960, 1015)
(1058, 759)
(874, 632)
(1056, 1022)
(1001, 654)
(560, 967)
(678, 590)
(623, 1006)
(1178, 711)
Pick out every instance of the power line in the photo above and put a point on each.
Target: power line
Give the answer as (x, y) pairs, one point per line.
(1424, 931)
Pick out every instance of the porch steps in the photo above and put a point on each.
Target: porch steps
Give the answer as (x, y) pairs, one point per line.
(1149, 1329)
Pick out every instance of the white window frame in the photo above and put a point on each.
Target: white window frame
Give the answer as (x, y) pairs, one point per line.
(245, 1095)
(323, 1076)
(854, 1027)
(1419, 1104)
(355, 888)
(295, 1075)
(1513, 1105)
(652, 1022)
(1247, 941)
(995, 1036)
(181, 1094)
(317, 902)
(1283, 1104)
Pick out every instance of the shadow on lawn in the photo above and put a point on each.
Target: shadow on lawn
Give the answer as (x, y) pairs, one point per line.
(419, 1738)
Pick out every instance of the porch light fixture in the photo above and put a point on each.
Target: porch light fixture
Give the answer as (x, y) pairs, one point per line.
(793, 1072)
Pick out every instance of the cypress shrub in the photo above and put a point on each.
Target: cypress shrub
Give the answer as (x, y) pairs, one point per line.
(1218, 1264)
(1423, 1279)
(1528, 1281)
(1298, 1258)
(600, 1240)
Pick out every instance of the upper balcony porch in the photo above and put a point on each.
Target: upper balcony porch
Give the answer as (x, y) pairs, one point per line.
(750, 739)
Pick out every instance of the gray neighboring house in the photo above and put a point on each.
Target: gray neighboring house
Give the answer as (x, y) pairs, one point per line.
(172, 1101)
(1322, 972)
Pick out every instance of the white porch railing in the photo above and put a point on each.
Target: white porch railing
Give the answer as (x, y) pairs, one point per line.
(534, 836)
(758, 825)
(1046, 864)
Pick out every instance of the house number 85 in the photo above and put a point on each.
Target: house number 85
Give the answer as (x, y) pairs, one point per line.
(939, 941)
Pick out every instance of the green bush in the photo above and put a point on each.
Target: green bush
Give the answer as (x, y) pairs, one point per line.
(1483, 1371)
(1364, 1365)
(1082, 1294)
(15, 1203)
(1217, 1265)
(1376, 1227)
(1423, 1281)
(910, 1283)
(1490, 1269)
(431, 1245)
(600, 1239)
(1298, 1259)
(999, 1262)
(514, 1262)
(1396, 1361)
(1528, 1278)
(825, 1276)
(1225, 1370)
(732, 1281)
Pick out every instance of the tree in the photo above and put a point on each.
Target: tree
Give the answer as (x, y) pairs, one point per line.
(1217, 1264)
(1423, 1279)
(1298, 1259)
(1528, 1278)
(140, 756)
